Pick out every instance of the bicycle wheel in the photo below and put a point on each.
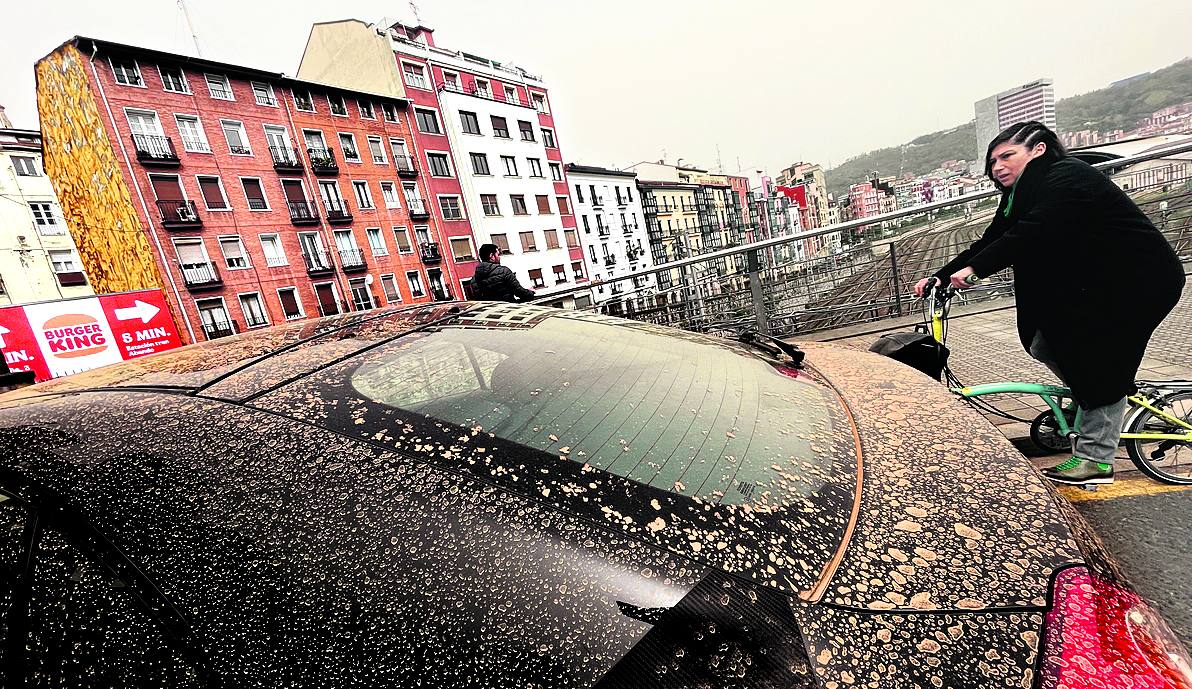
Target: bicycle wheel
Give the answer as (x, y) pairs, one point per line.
(1045, 432)
(1168, 461)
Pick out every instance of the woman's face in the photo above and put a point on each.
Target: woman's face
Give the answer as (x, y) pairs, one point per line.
(1010, 159)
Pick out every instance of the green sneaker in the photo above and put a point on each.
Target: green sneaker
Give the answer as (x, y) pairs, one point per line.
(1076, 471)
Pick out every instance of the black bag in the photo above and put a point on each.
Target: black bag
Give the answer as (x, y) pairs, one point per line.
(917, 350)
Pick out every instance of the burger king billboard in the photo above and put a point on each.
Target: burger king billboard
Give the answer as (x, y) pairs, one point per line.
(58, 338)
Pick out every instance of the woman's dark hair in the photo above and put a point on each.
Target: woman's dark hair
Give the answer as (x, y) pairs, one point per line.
(1028, 134)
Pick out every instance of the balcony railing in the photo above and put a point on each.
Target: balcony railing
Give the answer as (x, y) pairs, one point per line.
(200, 275)
(597, 201)
(603, 230)
(405, 166)
(322, 161)
(610, 260)
(337, 211)
(441, 293)
(301, 213)
(155, 150)
(352, 260)
(285, 159)
(688, 207)
(219, 328)
(317, 261)
(178, 214)
(430, 253)
(417, 208)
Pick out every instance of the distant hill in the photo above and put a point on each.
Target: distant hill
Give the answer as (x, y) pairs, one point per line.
(1121, 106)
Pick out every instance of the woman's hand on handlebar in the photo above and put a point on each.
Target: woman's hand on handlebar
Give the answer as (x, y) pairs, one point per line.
(965, 277)
(922, 286)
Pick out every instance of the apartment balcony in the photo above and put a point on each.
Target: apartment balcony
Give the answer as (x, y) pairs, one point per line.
(688, 207)
(219, 328)
(302, 213)
(597, 201)
(627, 228)
(610, 260)
(317, 262)
(179, 215)
(337, 212)
(155, 150)
(603, 231)
(665, 209)
(430, 253)
(285, 159)
(406, 167)
(322, 161)
(352, 260)
(650, 209)
(417, 209)
(200, 276)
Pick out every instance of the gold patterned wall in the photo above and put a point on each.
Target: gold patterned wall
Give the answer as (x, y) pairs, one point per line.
(85, 170)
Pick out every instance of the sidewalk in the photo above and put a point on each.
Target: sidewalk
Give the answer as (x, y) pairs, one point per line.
(984, 348)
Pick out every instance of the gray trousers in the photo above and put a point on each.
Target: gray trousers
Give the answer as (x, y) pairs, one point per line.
(1100, 427)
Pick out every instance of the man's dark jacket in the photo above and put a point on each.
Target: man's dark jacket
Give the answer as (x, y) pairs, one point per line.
(495, 282)
(1091, 273)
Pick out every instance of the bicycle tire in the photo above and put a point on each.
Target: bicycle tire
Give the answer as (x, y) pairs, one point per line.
(1045, 433)
(1161, 467)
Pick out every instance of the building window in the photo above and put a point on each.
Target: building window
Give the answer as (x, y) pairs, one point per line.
(511, 95)
(254, 193)
(592, 252)
(219, 87)
(377, 149)
(461, 249)
(579, 193)
(304, 101)
(361, 295)
(548, 138)
(451, 81)
(587, 228)
(451, 208)
(213, 194)
(490, 205)
(236, 137)
(560, 275)
(275, 254)
(366, 110)
(254, 313)
(290, 305)
(527, 241)
(536, 278)
(63, 261)
(376, 241)
(469, 122)
(389, 287)
(194, 139)
(510, 166)
(26, 167)
(173, 79)
(527, 130)
(577, 267)
(502, 243)
(389, 112)
(389, 193)
(480, 164)
(519, 204)
(556, 172)
(439, 165)
(364, 198)
(347, 144)
(552, 239)
(539, 103)
(415, 280)
(48, 219)
(338, 105)
(572, 238)
(127, 72)
(564, 207)
(535, 167)
(428, 121)
(543, 204)
(482, 89)
(264, 94)
(415, 75)
(500, 127)
(401, 236)
(233, 251)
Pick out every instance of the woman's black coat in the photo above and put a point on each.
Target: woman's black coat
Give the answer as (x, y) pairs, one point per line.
(1091, 273)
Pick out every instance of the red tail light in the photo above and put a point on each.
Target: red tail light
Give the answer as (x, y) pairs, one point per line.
(1099, 635)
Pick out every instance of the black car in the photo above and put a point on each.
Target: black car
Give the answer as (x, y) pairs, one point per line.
(499, 495)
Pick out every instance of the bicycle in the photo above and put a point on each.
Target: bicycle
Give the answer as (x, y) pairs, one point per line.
(1157, 431)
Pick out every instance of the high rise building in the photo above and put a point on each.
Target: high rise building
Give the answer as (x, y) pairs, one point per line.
(486, 133)
(248, 197)
(1032, 101)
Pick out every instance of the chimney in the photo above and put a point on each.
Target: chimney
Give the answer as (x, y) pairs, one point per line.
(5, 123)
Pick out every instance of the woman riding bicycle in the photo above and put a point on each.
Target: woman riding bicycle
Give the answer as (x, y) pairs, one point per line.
(1093, 278)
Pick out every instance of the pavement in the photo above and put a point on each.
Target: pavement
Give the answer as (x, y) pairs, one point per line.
(1147, 525)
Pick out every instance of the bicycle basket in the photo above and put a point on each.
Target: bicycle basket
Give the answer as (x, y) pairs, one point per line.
(917, 350)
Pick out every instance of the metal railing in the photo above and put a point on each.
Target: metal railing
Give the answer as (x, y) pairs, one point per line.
(322, 160)
(285, 158)
(154, 149)
(178, 213)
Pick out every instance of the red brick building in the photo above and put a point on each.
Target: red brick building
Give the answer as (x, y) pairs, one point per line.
(263, 198)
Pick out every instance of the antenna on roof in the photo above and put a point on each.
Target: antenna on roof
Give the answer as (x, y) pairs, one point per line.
(190, 25)
(414, 9)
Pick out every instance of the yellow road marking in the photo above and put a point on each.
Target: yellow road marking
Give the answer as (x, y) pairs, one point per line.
(1121, 488)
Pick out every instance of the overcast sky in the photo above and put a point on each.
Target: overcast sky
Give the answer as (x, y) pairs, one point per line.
(768, 82)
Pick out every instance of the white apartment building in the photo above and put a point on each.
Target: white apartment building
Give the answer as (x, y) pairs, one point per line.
(612, 230)
(38, 260)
